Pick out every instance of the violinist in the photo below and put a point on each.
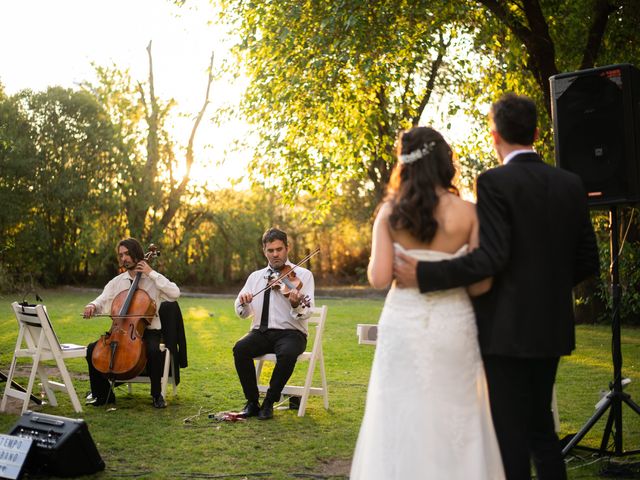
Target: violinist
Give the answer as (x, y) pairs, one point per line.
(278, 322)
(159, 289)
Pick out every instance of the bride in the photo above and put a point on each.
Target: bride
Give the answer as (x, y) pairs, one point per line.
(427, 414)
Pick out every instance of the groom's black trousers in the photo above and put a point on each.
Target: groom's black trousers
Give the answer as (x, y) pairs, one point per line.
(520, 390)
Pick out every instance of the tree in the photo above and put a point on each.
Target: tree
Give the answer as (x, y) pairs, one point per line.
(17, 157)
(57, 162)
(332, 83)
(532, 40)
(150, 192)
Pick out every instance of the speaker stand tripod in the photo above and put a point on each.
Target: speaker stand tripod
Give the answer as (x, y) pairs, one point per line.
(616, 397)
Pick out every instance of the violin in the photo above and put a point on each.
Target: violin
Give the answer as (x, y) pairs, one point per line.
(287, 281)
(120, 354)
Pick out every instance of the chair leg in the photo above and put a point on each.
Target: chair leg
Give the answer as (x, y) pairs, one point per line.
(307, 385)
(46, 385)
(12, 371)
(8, 387)
(172, 376)
(32, 378)
(325, 391)
(259, 370)
(165, 374)
(69, 388)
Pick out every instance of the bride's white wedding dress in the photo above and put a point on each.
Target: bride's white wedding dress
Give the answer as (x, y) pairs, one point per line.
(427, 413)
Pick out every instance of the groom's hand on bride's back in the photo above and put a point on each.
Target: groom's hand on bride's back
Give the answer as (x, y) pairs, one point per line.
(404, 270)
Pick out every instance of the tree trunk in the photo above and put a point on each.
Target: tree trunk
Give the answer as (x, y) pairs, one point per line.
(175, 195)
(538, 42)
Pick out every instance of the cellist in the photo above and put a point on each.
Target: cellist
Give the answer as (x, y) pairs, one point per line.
(159, 289)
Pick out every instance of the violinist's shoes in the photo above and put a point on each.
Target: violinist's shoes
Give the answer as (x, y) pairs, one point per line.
(158, 402)
(97, 402)
(266, 410)
(251, 409)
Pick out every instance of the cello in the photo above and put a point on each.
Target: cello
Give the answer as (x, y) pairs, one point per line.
(120, 354)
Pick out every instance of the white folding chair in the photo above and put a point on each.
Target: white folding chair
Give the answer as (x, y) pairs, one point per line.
(38, 342)
(168, 375)
(314, 357)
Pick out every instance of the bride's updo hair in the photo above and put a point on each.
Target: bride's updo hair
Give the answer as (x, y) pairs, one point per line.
(425, 161)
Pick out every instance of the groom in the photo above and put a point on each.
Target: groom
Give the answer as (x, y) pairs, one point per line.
(537, 242)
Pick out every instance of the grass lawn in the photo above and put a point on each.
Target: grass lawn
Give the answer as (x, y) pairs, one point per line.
(181, 441)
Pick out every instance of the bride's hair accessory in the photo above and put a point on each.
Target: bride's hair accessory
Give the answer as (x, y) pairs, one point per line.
(423, 151)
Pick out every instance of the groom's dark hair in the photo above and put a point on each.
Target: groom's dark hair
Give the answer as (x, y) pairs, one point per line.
(515, 118)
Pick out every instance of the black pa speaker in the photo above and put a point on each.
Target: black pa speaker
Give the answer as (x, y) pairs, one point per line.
(596, 128)
(60, 446)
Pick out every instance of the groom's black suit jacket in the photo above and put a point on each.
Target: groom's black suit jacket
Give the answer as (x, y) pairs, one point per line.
(537, 241)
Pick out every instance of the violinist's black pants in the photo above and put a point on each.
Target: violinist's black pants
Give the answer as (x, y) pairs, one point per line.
(286, 344)
(100, 385)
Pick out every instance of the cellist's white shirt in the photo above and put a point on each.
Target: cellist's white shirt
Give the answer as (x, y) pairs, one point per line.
(157, 286)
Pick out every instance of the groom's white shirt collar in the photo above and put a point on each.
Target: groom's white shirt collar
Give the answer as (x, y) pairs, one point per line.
(508, 158)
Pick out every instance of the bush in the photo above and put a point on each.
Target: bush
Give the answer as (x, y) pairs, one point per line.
(628, 274)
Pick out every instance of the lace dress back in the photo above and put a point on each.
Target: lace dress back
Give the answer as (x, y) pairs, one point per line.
(427, 412)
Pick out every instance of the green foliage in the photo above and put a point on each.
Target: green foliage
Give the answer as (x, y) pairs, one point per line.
(218, 243)
(17, 161)
(6, 282)
(508, 40)
(73, 200)
(56, 163)
(333, 83)
(85, 169)
(628, 267)
(146, 157)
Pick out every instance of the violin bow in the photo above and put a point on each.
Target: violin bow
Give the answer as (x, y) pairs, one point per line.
(304, 260)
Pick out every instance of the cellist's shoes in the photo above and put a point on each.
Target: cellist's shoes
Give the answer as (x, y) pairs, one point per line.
(158, 402)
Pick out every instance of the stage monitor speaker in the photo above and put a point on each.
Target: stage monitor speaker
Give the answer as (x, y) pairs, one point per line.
(367, 333)
(61, 446)
(596, 123)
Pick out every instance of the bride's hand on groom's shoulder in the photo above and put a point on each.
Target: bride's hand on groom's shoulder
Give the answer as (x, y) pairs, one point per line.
(404, 270)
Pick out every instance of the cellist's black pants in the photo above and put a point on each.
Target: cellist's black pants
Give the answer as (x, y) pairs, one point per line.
(154, 368)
